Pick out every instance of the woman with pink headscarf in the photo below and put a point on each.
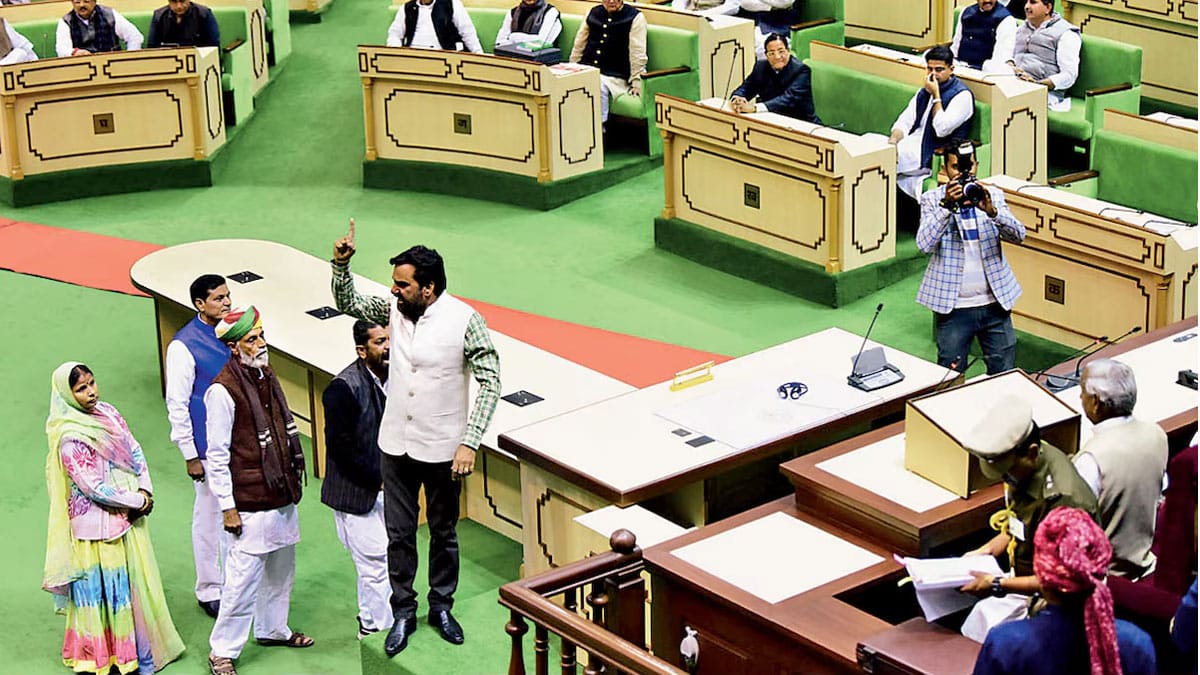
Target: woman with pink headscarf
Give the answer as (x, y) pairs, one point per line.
(1076, 632)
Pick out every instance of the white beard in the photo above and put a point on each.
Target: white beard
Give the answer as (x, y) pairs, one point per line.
(259, 360)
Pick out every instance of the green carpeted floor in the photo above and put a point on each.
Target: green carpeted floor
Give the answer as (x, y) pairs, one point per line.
(293, 175)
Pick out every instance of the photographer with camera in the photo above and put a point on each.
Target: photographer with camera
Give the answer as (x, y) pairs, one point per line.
(968, 283)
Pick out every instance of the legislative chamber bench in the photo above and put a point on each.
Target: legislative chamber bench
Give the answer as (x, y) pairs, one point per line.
(695, 454)
(307, 351)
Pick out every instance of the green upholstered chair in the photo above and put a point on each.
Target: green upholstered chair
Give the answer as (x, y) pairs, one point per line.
(823, 20)
(1137, 173)
(1110, 76)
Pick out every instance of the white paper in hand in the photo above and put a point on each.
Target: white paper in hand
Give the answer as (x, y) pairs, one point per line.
(937, 580)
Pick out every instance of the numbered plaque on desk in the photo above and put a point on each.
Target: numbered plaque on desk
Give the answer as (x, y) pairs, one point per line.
(935, 425)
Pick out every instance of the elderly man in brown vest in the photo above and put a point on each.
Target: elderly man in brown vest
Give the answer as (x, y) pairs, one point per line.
(255, 469)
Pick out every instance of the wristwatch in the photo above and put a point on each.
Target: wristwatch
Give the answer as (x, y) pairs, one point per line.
(998, 590)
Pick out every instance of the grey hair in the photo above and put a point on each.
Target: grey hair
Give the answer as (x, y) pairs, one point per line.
(1113, 385)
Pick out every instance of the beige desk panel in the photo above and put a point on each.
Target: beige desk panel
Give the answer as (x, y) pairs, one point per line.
(1150, 129)
(908, 23)
(1164, 29)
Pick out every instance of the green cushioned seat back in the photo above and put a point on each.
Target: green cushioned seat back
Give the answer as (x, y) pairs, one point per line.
(566, 38)
(1104, 62)
(140, 21)
(671, 48)
(1144, 175)
(811, 10)
(231, 22)
(488, 21)
(41, 34)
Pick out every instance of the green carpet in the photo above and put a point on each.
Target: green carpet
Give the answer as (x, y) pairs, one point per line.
(293, 174)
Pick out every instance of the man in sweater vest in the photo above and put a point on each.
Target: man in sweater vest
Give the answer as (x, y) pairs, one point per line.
(194, 357)
(613, 38)
(184, 23)
(780, 83)
(353, 484)
(255, 469)
(984, 35)
(434, 24)
(90, 28)
(1047, 51)
(1123, 463)
(429, 431)
(939, 114)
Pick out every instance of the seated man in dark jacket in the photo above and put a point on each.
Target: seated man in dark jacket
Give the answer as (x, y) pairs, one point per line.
(780, 82)
(183, 23)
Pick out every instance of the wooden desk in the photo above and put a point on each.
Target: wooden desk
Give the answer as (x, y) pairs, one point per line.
(256, 28)
(856, 498)
(1162, 128)
(307, 352)
(109, 109)
(1089, 268)
(904, 23)
(740, 633)
(917, 647)
(1018, 108)
(1164, 29)
(481, 111)
(812, 192)
(1173, 120)
(1156, 359)
(634, 448)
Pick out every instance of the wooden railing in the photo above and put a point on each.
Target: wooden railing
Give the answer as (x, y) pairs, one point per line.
(615, 636)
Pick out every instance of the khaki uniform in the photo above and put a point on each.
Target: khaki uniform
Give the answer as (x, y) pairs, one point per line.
(1054, 483)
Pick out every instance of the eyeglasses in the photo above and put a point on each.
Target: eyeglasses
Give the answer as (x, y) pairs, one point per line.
(791, 390)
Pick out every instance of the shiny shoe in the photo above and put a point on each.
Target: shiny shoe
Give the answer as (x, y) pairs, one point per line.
(210, 607)
(446, 626)
(397, 638)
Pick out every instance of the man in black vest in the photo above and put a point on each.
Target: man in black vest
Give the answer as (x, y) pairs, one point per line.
(984, 36)
(434, 24)
(90, 28)
(613, 39)
(184, 23)
(781, 83)
(353, 480)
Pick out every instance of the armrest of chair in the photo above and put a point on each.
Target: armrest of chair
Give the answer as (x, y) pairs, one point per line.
(665, 71)
(233, 45)
(1072, 178)
(1124, 86)
(814, 23)
(921, 49)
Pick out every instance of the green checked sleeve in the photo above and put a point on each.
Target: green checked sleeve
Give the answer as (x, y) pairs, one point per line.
(350, 301)
(484, 363)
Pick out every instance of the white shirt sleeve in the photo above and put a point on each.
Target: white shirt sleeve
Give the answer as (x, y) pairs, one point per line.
(505, 29)
(181, 376)
(1089, 471)
(1002, 52)
(954, 113)
(727, 8)
(466, 29)
(22, 49)
(1067, 56)
(551, 26)
(220, 434)
(957, 39)
(128, 33)
(63, 46)
(395, 36)
(907, 118)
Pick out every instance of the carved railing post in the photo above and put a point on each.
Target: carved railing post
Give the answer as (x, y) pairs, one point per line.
(598, 601)
(516, 629)
(625, 613)
(541, 651)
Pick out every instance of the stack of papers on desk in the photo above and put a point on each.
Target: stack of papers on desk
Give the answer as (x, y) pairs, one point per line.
(937, 580)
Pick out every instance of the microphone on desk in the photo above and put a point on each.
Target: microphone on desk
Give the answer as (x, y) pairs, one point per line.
(1077, 352)
(870, 370)
(1057, 383)
(945, 382)
(728, 80)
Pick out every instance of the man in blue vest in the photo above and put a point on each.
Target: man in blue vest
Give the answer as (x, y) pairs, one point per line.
(613, 38)
(939, 114)
(194, 358)
(90, 29)
(984, 36)
(780, 82)
(434, 24)
(353, 483)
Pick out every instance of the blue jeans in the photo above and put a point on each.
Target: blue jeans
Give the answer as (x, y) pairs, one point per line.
(991, 324)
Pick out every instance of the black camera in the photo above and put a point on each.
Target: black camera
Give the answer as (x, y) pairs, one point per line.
(972, 191)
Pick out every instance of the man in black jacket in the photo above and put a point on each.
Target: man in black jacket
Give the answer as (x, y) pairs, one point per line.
(353, 483)
(183, 23)
(780, 82)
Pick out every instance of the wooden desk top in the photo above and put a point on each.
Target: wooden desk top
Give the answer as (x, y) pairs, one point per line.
(815, 620)
(917, 646)
(294, 282)
(624, 450)
(865, 512)
(1156, 360)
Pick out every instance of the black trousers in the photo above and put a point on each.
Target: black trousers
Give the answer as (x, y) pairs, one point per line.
(403, 478)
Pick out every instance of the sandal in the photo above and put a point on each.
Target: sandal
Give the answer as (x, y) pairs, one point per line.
(219, 665)
(298, 640)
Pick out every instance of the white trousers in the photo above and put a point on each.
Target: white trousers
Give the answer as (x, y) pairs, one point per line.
(611, 88)
(365, 537)
(258, 589)
(208, 542)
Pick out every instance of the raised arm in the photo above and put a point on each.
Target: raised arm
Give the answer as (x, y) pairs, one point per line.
(345, 296)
